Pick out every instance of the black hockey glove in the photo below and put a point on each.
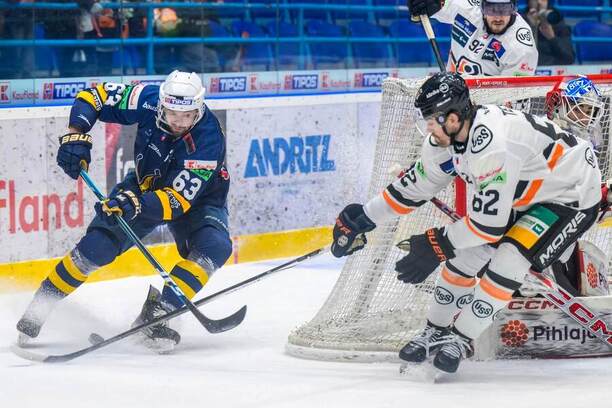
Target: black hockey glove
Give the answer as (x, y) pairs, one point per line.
(427, 252)
(420, 7)
(125, 204)
(349, 231)
(74, 153)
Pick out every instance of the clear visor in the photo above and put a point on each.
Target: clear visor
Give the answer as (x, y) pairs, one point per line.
(427, 124)
(179, 121)
(498, 9)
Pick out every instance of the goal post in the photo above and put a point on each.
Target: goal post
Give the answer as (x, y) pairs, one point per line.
(370, 315)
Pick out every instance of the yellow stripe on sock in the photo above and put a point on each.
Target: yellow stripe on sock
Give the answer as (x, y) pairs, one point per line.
(73, 270)
(190, 293)
(195, 269)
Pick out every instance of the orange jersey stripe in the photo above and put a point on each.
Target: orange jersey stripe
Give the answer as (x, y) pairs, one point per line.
(493, 290)
(457, 280)
(556, 155)
(397, 207)
(531, 192)
(488, 238)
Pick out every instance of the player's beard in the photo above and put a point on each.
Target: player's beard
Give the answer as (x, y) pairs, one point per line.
(498, 29)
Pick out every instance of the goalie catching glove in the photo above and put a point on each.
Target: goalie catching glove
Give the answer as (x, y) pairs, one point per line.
(427, 252)
(74, 153)
(125, 204)
(349, 231)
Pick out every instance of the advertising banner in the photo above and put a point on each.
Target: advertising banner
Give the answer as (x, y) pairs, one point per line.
(296, 167)
(61, 91)
(536, 328)
(42, 211)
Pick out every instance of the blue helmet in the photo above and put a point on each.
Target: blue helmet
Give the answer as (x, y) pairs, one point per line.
(575, 104)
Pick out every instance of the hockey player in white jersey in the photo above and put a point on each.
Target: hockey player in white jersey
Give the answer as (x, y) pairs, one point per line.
(489, 38)
(533, 190)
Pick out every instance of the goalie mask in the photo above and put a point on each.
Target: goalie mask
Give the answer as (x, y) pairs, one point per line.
(442, 94)
(575, 105)
(181, 103)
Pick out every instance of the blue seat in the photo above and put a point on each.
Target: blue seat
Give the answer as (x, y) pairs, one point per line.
(593, 52)
(238, 13)
(327, 54)
(44, 57)
(390, 16)
(254, 53)
(345, 14)
(410, 53)
(584, 3)
(367, 55)
(287, 54)
(270, 12)
(443, 36)
(312, 14)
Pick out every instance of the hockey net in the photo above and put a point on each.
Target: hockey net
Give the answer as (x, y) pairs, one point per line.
(369, 314)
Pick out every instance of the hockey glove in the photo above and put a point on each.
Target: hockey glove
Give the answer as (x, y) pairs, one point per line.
(427, 252)
(419, 7)
(349, 231)
(125, 204)
(74, 153)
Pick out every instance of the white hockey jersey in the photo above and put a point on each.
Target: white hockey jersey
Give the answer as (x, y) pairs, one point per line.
(512, 161)
(476, 52)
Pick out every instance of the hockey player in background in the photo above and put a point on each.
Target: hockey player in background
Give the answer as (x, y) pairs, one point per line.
(489, 38)
(529, 183)
(180, 180)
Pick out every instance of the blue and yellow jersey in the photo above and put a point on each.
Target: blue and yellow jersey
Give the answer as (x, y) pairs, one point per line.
(173, 175)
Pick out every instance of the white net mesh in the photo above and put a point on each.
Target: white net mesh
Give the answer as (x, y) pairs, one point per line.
(370, 315)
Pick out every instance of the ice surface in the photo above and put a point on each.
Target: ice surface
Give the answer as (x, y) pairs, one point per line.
(247, 367)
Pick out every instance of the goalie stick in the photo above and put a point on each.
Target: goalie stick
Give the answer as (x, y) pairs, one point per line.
(575, 309)
(213, 326)
(61, 358)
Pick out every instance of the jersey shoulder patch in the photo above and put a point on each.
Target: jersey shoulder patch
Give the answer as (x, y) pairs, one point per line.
(523, 33)
(481, 137)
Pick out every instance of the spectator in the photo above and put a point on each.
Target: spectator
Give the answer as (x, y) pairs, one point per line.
(96, 22)
(553, 37)
(62, 24)
(166, 23)
(195, 22)
(18, 24)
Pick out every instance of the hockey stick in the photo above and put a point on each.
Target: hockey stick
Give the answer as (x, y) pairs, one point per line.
(60, 358)
(213, 326)
(431, 36)
(575, 309)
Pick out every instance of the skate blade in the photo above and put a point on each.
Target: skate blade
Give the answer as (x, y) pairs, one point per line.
(423, 372)
(23, 340)
(159, 346)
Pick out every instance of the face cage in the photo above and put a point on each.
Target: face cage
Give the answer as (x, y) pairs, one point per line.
(573, 106)
(162, 123)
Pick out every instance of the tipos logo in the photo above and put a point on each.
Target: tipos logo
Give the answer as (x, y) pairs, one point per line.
(514, 333)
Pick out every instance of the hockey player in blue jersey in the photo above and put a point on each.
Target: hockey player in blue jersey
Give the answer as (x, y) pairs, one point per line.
(180, 179)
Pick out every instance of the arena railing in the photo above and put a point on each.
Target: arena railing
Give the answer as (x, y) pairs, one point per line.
(150, 40)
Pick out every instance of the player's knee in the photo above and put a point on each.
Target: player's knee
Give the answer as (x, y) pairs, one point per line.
(212, 248)
(98, 247)
(509, 263)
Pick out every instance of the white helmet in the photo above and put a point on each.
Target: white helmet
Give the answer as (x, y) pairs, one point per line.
(180, 92)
